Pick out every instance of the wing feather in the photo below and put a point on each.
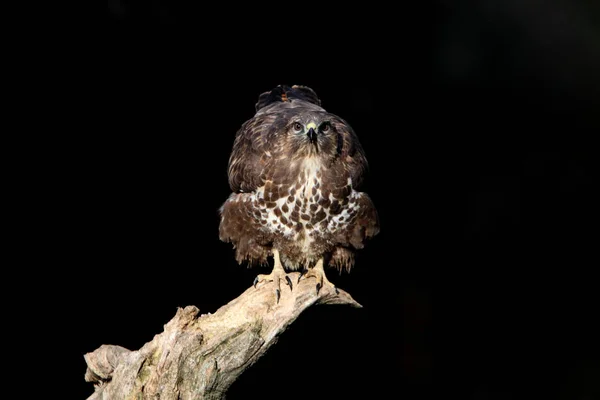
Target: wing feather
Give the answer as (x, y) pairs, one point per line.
(249, 156)
(350, 151)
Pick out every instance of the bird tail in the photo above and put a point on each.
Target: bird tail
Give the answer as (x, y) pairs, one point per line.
(284, 93)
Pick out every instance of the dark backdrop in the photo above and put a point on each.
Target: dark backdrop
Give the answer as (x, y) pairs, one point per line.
(475, 118)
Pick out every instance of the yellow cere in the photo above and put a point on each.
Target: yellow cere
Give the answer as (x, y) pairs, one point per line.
(311, 125)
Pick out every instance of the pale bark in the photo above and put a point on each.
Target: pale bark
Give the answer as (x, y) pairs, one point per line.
(200, 356)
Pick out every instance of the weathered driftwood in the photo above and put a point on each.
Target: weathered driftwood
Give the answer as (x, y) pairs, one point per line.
(200, 356)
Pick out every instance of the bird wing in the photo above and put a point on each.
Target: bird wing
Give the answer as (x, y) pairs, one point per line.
(350, 151)
(250, 155)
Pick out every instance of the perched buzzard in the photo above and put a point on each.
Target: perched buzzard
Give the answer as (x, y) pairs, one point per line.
(294, 171)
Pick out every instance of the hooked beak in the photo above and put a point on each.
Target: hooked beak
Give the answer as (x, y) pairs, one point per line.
(312, 135)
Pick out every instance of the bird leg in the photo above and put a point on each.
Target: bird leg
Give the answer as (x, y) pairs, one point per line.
(318, 272)
(278, 274)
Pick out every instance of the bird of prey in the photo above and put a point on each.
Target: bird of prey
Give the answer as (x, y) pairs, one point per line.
(294, 172)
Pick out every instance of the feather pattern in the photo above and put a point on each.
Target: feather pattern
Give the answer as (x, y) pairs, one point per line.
(294, 172)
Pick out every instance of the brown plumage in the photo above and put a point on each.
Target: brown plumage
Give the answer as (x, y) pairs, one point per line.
(294, 172)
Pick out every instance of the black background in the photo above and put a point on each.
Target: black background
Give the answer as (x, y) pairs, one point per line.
(476, 119)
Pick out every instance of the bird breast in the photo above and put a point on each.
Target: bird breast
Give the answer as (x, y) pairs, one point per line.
(292, 206)
(302, 210)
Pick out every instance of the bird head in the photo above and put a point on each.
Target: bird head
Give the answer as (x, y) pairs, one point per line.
(312, 135)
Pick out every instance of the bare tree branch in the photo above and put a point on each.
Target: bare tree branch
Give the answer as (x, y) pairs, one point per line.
(200, 356)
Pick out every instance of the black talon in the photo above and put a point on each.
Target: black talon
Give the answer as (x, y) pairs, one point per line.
(336, 290)
(301, 275)
(278, 294)
(255, 282)
(319, 286)
(288, 282)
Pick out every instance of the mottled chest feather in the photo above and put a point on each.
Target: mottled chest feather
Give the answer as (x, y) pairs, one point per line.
(308, 208)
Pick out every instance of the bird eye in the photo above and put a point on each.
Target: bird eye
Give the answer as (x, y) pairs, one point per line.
(325, 127)
(297, 126)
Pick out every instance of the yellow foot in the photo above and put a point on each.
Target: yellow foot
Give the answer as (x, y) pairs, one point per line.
(277, 275)
(318, 273)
